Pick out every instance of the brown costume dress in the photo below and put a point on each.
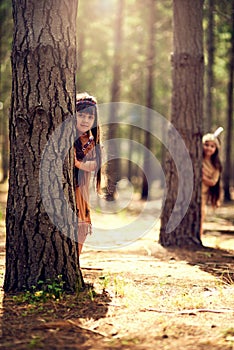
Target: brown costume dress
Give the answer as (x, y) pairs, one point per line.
(82, 191)
(213, 174)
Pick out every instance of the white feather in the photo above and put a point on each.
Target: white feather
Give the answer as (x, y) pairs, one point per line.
(218, 131)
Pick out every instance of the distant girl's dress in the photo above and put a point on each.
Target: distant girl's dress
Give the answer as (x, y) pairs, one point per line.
(214, 175)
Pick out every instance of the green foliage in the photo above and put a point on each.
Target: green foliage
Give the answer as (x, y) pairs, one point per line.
(115, 282)
(6, 30)
(104, 281)
(95, 42)
(119, 286)
(222, 45)
(35, 343)
(96, 33)
(43, 292)
(95, 47)
(96, 50)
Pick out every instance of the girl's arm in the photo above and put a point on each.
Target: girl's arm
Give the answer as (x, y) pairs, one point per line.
(210, 181)
(89, 165)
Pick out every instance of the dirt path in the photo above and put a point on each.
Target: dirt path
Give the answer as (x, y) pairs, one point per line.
(144, 297)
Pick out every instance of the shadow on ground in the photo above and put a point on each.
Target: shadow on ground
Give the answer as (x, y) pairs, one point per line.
(218, 262)
(52, 325)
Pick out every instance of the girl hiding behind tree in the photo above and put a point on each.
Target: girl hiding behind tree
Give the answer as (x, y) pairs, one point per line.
(87, 159)
(211, 172)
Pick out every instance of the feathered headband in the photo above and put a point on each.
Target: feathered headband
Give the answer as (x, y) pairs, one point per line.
(213, 137)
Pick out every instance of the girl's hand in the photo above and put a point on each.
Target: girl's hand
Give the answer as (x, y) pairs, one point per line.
(208, 181)
(89, 165)
(77, 163)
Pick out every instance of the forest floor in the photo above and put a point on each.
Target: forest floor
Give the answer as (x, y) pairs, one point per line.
(143, 297)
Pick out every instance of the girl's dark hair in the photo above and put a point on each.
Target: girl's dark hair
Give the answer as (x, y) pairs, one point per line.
(215, 191)
(86, 103)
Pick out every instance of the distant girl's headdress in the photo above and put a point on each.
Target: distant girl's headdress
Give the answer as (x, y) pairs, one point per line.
(213, 137)
(84, 100)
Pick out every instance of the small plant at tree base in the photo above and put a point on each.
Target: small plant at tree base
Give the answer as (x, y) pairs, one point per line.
(35, 343)
(51, 289)
(91, 294)
(119, 285)
(104, 281)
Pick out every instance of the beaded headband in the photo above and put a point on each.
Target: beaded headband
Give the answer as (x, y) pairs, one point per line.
(84, 103)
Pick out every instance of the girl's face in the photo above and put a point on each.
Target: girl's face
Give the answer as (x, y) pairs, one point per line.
(209, 148)
(84, 122)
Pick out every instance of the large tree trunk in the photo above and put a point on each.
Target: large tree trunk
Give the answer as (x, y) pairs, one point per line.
(43, 96)
(187, 100)
(228, 151)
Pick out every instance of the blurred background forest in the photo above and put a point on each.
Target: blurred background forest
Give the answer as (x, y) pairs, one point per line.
(124, 49)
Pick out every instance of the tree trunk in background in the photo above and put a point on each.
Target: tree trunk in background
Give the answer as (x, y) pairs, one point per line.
(228, 151)
(43, 96)
(210, 65)
(113, 166)
(150, 63)
(5, 29)
(187, 102)
(5, 149)
(81, 45)
(130, 150)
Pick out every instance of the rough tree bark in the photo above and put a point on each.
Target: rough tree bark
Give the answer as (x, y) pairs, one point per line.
(43, 96)
(187, 100)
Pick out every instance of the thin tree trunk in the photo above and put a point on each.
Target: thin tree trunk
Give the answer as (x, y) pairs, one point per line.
(5, 150)
(113, 166)
(5, 10)
(150, 90)
(210, 65)
(130, 150)
(43, 96)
